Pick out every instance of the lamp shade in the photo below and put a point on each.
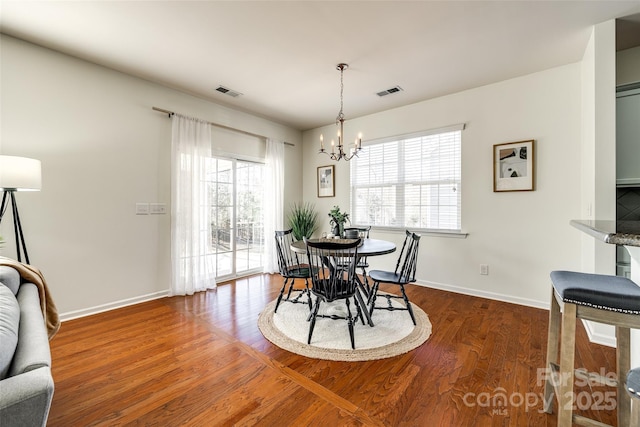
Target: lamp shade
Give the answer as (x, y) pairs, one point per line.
(20, 174)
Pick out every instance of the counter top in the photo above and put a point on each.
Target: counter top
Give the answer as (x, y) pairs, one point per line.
(614, 232)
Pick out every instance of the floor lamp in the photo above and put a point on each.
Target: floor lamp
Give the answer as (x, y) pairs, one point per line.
(18, 174)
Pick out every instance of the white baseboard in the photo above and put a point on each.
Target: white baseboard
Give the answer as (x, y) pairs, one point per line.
(483, 294)
(111, 306)
(598, 338)
(594, 336)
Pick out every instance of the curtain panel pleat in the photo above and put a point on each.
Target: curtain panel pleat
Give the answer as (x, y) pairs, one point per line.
(192, 260)
(274, 201)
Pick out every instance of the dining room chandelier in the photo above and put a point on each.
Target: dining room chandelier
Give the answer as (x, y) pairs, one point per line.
(357, 145)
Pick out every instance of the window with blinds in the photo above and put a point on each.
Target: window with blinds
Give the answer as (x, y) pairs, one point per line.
(412, 181)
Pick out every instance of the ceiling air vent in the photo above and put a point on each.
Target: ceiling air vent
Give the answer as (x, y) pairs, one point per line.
(228, 91)
(389, 91)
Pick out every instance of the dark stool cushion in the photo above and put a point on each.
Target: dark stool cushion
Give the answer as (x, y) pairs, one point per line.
(633, 382)
(599, 291)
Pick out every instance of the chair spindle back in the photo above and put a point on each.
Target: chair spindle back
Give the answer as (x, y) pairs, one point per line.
(333, 267)
(286, 257)
(408, 259)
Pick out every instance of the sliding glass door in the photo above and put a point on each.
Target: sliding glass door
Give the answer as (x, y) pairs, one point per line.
(236, 190)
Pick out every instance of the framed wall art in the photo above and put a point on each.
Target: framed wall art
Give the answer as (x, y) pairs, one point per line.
(326, 181)
(513, 166)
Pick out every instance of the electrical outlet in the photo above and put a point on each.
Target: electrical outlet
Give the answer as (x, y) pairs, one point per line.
(484, 269)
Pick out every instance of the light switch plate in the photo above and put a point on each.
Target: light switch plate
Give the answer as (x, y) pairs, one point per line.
(142, 208)
(157, 208)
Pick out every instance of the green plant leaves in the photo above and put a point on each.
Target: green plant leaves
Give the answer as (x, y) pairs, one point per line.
(303, 220)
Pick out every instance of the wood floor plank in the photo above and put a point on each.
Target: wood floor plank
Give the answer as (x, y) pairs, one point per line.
(202, 361)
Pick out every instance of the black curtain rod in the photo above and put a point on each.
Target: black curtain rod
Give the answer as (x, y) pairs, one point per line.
(171, 113)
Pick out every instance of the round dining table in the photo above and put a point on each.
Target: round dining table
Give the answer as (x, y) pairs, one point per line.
(368, 247)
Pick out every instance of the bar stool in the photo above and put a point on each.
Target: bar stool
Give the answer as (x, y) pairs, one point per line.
(633, 387)
(601, 298)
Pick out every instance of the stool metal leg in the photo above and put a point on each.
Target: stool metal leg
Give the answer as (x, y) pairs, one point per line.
(623, 362)
(567, 359)
(552, 351)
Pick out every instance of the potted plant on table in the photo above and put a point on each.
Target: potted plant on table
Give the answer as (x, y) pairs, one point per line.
(337, 221)
(303, 220)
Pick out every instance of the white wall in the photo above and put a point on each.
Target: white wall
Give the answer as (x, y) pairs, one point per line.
(103, 149)
(587, 153)
(598, 175)
(598, 149)
(522, 236)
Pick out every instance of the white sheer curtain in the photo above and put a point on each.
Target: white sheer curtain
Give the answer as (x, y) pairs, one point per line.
(192, 263)
(274, 201)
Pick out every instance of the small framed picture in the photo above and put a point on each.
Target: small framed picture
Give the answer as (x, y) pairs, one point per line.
(513, 166)
(326, 181)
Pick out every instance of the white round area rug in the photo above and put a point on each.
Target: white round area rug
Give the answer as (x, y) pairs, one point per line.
(392, 335)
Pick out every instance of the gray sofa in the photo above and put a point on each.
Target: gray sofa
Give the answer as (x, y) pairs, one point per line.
(26, 384)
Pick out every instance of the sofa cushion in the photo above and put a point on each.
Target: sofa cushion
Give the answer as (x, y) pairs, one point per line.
(9, 324)
(10, 277)
(33, 349)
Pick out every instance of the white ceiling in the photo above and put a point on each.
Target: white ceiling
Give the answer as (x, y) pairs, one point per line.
(282, 55)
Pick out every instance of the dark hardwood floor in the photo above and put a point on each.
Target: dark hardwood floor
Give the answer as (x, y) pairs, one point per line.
(201, 361)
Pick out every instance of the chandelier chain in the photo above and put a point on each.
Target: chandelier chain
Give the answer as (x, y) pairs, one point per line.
(357, 145)
(341, 113)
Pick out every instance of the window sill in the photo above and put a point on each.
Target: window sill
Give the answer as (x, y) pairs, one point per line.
(449, 234)
(453, 234)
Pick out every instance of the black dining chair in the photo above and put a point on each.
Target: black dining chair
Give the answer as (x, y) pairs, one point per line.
(404, 274)
(291, 269)
(333, 279)
(363, 265)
